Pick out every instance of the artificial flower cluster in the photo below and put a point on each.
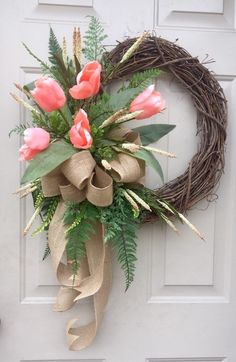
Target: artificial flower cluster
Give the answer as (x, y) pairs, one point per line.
(50, 97)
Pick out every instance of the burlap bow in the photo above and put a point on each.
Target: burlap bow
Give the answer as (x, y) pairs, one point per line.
(77, 179)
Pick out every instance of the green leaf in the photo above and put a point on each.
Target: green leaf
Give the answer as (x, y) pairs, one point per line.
(79, 220)
(100, 110)
(43, 65)
(19, 129)
(120, 228)
(93, 40)
(47, 251)
(123, 98)
(144, 78)
(150, 160)
(153, 132)
(30, 86)
(77, 64)
(54, 47)
(47, 160)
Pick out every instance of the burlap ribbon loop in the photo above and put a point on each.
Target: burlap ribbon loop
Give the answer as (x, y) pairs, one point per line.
(126, 168)
(99, 189)
(78, 169)
(77, 179)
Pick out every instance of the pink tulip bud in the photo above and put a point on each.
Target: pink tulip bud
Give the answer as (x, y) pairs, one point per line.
(26, 153)
(48, 94)
(36, 138)
(80, 133)
(149, 101)
(88, 81)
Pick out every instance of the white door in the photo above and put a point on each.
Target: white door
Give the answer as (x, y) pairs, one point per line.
(182, 305)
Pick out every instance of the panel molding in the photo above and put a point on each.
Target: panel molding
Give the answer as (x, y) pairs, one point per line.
(160, 288)
(64, 360)
(194, 359)
(76, 3)
(217, 15)
(37, 281)
(57, 11)
(31, 288)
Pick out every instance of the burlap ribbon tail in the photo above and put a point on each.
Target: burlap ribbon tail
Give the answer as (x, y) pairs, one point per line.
(77, 179)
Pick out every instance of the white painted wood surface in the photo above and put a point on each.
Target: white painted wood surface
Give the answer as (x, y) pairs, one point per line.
(182, 305)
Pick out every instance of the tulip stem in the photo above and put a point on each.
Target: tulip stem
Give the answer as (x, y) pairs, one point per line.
(64, 117)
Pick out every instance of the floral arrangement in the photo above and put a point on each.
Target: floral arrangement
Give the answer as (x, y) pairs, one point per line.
(86, 167)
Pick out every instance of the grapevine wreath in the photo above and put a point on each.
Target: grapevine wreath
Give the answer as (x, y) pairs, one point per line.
(86, 167)
(207, 165)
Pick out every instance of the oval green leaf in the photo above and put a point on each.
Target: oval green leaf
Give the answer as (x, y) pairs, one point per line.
(153, 132)
(45, 161)
(150, 160)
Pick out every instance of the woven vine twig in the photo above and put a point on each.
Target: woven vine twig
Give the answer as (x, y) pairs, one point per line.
(207, 165)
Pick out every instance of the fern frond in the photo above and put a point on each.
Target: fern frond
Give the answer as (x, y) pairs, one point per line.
(38, 199)
(19, 129)
(53, 46)
(101, 110)
(78, 219)
(62, 72)
(120, 229)
(48, 209)
(144, 79)
(57, 123)
(93, 40)
(126, 247)
(47, 251)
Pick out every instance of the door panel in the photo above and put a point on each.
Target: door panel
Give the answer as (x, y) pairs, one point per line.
(182, 304)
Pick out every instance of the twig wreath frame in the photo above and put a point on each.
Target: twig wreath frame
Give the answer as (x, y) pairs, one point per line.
(207, 165)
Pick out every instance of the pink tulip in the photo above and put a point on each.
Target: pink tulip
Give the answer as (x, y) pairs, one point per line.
(36, 140)
(80, 133)
(48, 94)
(26, 153)
(149, 102)
(88, 81)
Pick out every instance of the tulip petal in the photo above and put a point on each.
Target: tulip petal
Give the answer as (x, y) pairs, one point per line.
(82, 118)
(95, 81)
(36, 138)
(79, 134)
(143, 96)
(48, 94)
(26, 153)
(81, 91)
(149, 102)
(88, 81)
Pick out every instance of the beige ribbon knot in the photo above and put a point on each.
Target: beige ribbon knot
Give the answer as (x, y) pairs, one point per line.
(79, 178)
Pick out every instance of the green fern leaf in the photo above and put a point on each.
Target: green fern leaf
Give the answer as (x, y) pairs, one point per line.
(47, 251)
(78, 219)
(101, 110)
(48, 208)
(126, 251)
(54, 47)
(19, 129)
(120, 229)
(93, 40)
(145, 78)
